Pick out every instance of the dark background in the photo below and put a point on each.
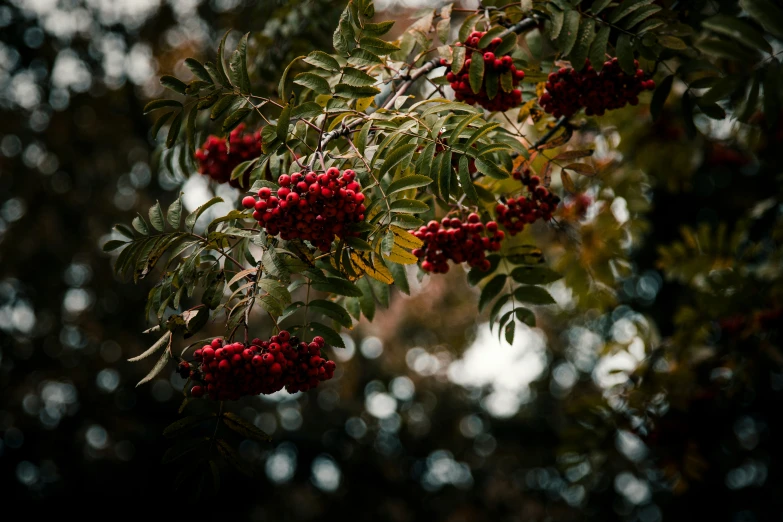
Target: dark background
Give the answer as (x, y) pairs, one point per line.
(529, 432)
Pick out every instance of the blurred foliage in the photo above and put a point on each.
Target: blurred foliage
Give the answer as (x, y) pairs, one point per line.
(651, 392)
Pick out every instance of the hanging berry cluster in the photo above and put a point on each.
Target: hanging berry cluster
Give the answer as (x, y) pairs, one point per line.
(540, 203)
(568, 90)
(230, 371)
(458, 241)
(313, 207)
(217, 158)
(495, 69)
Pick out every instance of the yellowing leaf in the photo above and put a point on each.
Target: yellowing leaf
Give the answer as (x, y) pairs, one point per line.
(372, 267)
(401, 256)
(405, 239)
(363, 103)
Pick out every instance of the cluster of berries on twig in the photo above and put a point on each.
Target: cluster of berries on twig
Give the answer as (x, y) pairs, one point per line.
(218, 157)
(459, 241)
(539, 203)
(568, 90)
(314, 207)
(501, 95)
(228, 371)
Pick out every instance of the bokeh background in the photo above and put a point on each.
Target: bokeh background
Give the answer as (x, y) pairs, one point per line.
(627, 402)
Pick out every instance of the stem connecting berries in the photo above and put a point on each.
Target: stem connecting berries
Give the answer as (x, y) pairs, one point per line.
(497, 92)
(228, 371)
(314, 207)
(217, 158)
(540, 203)
(568, 90)
(458, 241)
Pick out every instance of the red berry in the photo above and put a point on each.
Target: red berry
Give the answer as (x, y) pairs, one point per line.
(248, 202)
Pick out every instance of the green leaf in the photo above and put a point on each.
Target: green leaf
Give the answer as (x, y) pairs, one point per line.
(724, 88)
(671, 42)
(533, 295)
(765, 13)
(640, 15)
(400, 277)
(313, 82)
(457, 59)
(113, 244)
(160, 343)
(124, 230)
(244, 428)
(598, 49)
(198, 70)
(599, 5)
(567, 37)
(476, 72)
(164, 358)
(356, 78)
(173, 84)
(140, 225)
(190, 221)
(235, 118)
(508, 45)
(400, 155)
(219, 64)
(306, 110)
(286, 83)
(221, 106)
(343, 34)
(176, 123)
(581, 48)
(242, 64)
(409, 206)
(363, 58)
(626, 8)
(465, 181)
(488, 168)
(214, 291)
(282, 123)
(496, 308)
(727, 50)
(489, 35)
(331, 337)
(444, 175)
(336, 285)
(322, 60)
(491, 291)
(183, 448)
(509, 332)
(526, 316)
(625, 54)
(177, 428)
(660, 95)
(156, 217)
(361, 140)
(333, 311)
(534, 275)
(159, 104)
(377, 46)
(406, 221)
(408, 182)
(366, 300)
(479, 133)
(349, 91)
(557, 18)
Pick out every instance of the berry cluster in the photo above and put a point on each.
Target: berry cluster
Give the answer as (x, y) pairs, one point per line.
(568, 90)
(233, 370)
(540, 203)
(459, 241)
(217, 158)
(493, 65)
(314, 207)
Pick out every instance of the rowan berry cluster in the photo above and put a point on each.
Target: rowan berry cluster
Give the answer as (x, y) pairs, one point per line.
(313, 207)
(568, 90)
(494, 67)
(228, 371)
(540, 203)
(458, 241)
(218, 157)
